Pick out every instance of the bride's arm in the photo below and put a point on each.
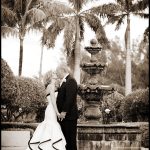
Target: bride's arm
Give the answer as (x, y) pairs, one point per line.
(53, 98)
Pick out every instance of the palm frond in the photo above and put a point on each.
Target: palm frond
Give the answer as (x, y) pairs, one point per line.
(97, 27)
(112, 19)
(8, 16)
(121, 2)
(142, 15)
(146, 35)
(20, 7)
(7, 3)
(78, 4)
(128, 5)
(69, 32)
(106, 9)
(120, 21)
(116, 19)
(37, 26)
(140, 5)
(35, 15)
(8, 31)
(55, 8)
(49, 35)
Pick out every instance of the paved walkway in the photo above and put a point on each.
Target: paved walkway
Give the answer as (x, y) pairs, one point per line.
(14, 140)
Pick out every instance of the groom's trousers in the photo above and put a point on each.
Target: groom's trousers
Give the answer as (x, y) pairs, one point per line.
(69, 129)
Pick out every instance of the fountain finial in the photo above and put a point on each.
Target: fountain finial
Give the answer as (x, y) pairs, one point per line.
(93, 42)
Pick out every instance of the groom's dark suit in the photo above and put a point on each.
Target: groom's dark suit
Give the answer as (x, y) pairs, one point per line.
(66, 102)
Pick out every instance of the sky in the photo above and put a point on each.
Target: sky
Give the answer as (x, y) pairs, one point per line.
(52, 57)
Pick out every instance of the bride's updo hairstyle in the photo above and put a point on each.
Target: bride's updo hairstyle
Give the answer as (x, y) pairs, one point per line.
(47, 78)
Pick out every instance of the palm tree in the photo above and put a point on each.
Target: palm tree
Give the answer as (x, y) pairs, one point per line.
(71, 21)
(116, 13)
(18, 17)
(41, 60)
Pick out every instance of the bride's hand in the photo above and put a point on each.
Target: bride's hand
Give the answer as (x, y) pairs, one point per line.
(58, 115)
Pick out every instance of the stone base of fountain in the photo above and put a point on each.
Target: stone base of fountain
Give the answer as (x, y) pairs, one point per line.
(108, 137)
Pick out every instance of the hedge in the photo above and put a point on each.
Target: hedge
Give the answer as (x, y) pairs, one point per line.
(22, 96)
(135, 106)
(9, 86)
(32, 95)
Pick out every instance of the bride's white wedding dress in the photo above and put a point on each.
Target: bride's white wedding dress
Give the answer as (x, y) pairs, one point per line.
(48, 134)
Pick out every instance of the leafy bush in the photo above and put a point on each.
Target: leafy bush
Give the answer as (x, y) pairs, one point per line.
(32, 94)
(113, 102)
(135, 106)
(22, 96)
(145, 135)
(9, 86)
(31, 97)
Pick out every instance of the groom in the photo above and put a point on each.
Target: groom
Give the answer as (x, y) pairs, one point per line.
(67, 106)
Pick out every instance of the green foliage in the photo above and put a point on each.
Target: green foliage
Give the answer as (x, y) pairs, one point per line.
(21, 96)
(31, 98)
(140, 77)
(40, 114)
(113, 102)
(145, 135)
(135, 106)
(9, 86)
(116, 66)
(32, 94)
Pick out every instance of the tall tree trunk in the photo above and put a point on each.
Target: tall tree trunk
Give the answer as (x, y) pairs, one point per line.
(128, 88)
(21, 56)
(41, 60)
(77, 52)
(22, 34)
(121, 80)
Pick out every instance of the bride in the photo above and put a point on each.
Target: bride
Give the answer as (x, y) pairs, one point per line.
(48, 134)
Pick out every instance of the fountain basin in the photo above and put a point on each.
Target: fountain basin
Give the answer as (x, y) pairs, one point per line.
(93, 50)
(108, 136)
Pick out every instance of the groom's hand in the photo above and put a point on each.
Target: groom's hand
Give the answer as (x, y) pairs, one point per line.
(62, 115)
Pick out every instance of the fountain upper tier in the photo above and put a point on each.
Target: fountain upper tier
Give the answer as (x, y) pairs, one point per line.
(93, 50)
(94, 92)
(93, 68)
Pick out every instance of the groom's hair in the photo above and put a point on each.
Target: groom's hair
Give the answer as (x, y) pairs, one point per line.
(64, 68)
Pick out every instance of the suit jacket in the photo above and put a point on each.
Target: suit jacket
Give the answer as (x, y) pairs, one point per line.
(67, 98)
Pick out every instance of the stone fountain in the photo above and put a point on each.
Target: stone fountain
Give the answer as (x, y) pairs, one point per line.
(92, 133)
(92, 92)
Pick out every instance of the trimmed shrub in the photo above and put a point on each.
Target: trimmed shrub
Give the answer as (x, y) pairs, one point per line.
(9, 86)
(32, 96)
(135, 106)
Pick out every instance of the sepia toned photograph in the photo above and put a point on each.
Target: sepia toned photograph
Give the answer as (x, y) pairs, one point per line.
(74, 74)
